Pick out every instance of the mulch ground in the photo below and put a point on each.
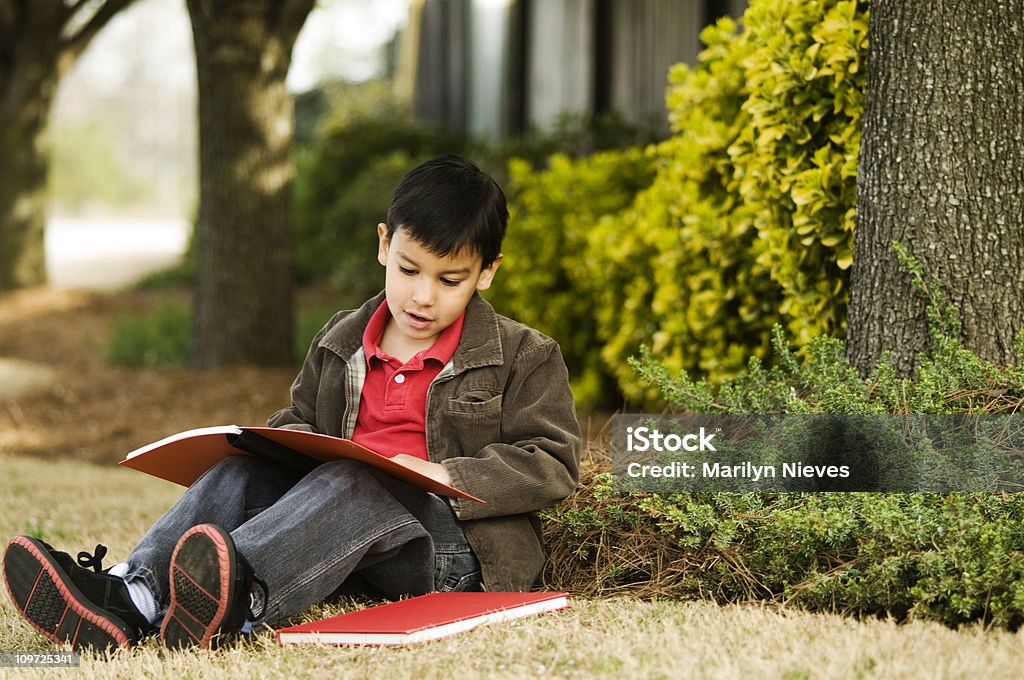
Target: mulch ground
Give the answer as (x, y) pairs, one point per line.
(97, 412)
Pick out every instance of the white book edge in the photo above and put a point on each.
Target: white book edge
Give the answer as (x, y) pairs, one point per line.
(427, 634)
(187, 434)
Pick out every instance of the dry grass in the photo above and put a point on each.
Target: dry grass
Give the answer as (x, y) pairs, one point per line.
(77, 504)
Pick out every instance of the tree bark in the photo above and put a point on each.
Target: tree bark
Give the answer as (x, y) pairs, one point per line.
(941, 171)
(36, 49)
(243, 305)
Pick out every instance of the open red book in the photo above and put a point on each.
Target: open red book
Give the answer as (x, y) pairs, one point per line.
(183, 457)
(423, 618)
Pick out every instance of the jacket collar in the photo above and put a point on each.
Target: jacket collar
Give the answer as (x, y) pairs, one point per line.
(480, 344)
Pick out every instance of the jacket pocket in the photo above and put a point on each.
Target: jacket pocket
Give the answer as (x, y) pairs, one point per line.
(475, 402)
(473, 421)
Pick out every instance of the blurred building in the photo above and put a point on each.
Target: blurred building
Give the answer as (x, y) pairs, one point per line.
(496, 67)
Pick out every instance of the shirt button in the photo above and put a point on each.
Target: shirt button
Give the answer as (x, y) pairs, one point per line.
(400, 378)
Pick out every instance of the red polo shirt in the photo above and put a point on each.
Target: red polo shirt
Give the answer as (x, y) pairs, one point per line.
(393, 408)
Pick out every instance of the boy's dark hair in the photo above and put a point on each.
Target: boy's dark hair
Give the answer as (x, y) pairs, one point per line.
(448, 204)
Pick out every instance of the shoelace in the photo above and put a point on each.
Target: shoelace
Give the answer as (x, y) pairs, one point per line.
(95, 560)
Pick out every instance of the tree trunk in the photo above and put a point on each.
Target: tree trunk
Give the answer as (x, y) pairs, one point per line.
(27, 86)
(39, 42)
(941, 172)
(243, 307)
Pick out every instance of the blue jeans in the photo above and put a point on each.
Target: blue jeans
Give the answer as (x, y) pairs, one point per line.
(305, 536)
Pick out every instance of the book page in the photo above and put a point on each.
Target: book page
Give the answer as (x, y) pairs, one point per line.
(187, 434)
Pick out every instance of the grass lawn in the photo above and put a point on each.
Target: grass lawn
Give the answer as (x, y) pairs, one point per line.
(75, 505)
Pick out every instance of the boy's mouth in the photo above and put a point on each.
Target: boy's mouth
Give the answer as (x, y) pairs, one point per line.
(417, 320)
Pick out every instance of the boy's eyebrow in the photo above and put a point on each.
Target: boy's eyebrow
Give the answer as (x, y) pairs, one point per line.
(460, 270)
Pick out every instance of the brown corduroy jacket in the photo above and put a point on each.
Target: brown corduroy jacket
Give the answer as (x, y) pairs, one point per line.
(500, 418)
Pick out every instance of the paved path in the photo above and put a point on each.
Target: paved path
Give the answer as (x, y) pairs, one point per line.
(18, 378)
(108, 254)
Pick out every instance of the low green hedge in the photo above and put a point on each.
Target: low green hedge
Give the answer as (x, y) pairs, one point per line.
(953, 558)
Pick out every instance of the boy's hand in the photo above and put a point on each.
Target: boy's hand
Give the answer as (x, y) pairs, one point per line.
(435, 471)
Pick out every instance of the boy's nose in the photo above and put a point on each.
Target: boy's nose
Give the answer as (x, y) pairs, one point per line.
(423, 294)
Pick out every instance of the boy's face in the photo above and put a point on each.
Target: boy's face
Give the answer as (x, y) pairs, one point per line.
(427, 293)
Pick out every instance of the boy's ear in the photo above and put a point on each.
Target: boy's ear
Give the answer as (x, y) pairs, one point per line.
(487, 273)
(382, 244)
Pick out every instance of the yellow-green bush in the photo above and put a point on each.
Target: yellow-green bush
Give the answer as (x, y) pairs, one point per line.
(546, 282)
(748, 221)
(796, 162)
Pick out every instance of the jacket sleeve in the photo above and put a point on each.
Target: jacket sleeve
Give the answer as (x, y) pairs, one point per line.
(537, 462)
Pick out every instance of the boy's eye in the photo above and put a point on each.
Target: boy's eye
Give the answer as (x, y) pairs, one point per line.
(406, 270)
(450, 282)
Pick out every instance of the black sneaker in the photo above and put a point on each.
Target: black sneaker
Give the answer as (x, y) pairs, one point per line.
(66, 601)
(210, 585)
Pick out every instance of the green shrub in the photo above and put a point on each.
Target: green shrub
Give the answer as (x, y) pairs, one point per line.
(735, 241)
(952, 558)
(545, 281)
(155, 339)
(949, 378)
(747, 222)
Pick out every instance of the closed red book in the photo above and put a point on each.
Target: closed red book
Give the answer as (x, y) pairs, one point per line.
(423, 618)
(183, 457)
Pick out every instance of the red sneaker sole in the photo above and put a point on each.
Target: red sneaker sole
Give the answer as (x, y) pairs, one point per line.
(202, 583)
(47, 598)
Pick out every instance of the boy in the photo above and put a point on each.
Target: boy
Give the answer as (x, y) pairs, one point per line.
(426, 371)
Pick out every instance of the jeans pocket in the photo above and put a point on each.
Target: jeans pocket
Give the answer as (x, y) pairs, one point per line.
(457, 572)
(471, 582)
